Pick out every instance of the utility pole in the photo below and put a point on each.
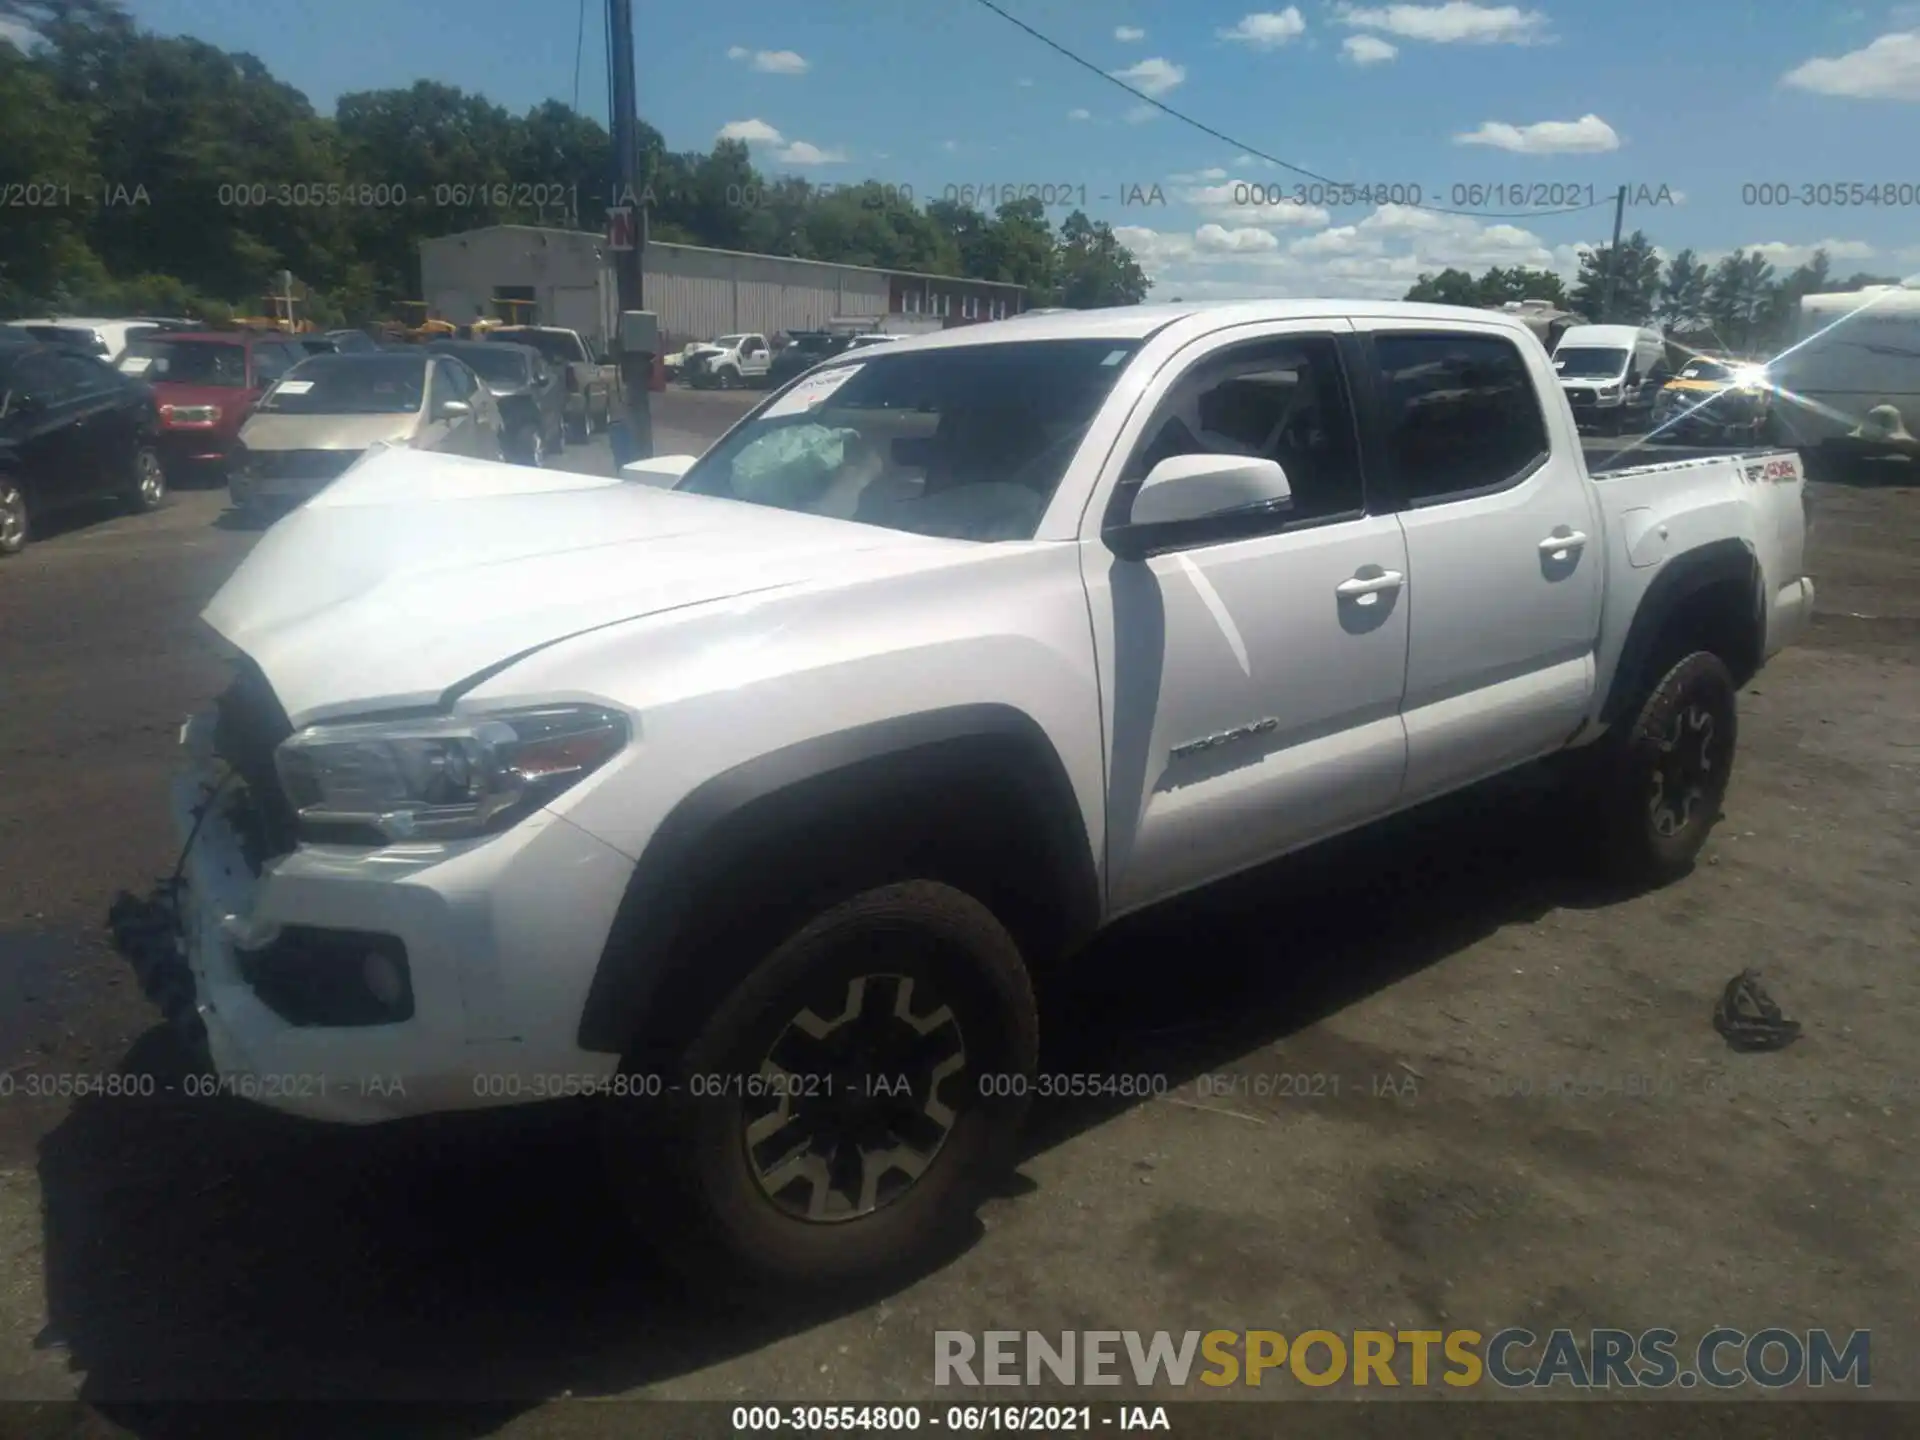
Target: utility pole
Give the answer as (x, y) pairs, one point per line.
(1613, 259)
(634, 440)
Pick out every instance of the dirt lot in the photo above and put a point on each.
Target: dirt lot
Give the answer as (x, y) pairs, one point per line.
(1439, 976)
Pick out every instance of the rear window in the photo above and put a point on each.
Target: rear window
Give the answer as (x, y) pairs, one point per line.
(351, 385)
(562, 349)
(175, 362)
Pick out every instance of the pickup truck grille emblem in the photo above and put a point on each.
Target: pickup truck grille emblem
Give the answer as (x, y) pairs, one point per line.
(1225, 737)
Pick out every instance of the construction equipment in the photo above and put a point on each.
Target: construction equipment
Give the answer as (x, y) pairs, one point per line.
(414, 324)
(505, 313)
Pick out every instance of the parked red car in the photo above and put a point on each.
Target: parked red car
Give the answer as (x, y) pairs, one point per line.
(205, 385)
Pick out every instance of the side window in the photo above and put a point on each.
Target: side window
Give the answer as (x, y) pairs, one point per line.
(45, 379)
(1283, 400)
(83, 375)
(1461, 414)
(270, 362)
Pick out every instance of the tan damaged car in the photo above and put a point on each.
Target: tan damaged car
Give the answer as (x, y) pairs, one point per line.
(330, 410)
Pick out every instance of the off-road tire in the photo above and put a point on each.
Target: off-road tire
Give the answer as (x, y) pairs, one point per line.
(1636, 799)
(681, 1163)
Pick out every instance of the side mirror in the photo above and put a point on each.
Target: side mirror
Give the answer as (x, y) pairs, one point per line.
(452, 410)
(1185, 489)
(663, 471)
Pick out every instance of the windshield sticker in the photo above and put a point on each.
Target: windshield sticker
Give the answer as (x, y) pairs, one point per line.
(810, 392)
(1114, 358)
(293, 387)
(136, 364)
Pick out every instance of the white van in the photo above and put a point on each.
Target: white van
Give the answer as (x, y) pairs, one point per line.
(1850, 381)
(1610, 373)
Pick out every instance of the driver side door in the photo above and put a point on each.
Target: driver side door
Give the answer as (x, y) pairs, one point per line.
(1257, 670)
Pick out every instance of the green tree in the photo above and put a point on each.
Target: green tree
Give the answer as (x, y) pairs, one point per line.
(1449, 287)
(1683, 292)
(1093, 268)
(1740, 299)
(47, 162)
(1636, 282)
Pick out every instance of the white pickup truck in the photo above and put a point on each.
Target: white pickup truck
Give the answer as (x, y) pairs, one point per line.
(749, 799)
(728, 363)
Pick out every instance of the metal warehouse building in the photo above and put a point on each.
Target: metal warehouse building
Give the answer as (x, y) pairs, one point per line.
(697, 293)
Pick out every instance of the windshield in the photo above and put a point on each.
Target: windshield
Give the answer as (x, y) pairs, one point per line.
(558, 347)
(966, 443)
(192, 362)
(1583, 363)
(1706, 370)
(728, 342)
(351, 385)
(494, 363)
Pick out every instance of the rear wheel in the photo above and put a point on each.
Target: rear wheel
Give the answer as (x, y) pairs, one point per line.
(845, 1110)
(13, 518)
(1659, 784)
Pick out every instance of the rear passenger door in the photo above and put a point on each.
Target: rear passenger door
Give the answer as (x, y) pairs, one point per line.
(1504, 551)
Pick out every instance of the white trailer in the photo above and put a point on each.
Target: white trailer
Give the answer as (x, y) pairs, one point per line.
(1849, 383)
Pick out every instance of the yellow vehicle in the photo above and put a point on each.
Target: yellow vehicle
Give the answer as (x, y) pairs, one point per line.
(1717, 399)
(415, 324)
(283, 316)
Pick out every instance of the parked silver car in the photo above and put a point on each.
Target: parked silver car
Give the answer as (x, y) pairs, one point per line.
(328, 410)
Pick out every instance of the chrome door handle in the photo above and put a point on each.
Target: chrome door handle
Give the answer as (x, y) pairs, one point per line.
(1556, 546)
(1371, 585)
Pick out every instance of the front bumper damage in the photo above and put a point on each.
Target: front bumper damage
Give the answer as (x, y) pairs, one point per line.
(491, 946)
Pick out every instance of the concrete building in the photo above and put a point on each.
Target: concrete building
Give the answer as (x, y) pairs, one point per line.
(698, 293)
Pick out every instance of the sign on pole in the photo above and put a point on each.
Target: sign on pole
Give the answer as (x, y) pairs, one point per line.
(620, 228)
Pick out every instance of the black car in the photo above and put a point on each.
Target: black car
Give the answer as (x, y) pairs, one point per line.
(72, 430)
(353, 342)
(807, 348)
(529, 389)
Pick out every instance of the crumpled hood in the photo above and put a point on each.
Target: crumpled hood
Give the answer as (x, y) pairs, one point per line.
(414, 572)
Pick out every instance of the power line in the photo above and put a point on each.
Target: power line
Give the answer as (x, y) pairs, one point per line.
(1227, 139)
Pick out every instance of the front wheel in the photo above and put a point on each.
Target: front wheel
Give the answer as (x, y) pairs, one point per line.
(149, 488)
(729, 378)
(1658, 787)
(534, 450)
(13, 518)
(845, 1110)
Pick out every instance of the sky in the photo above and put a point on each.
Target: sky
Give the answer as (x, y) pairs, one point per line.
(1714, 114)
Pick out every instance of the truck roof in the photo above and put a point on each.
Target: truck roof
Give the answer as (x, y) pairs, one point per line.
(1138, 322)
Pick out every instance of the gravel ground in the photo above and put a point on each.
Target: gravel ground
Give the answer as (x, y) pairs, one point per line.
(1438, 975)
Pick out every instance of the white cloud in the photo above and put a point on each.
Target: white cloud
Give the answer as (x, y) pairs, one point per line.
(771, 62)
(1127, 34)
(1025, 82)
(1246, 240)
(1079, 114)
(754, 132)
(1888, 69)
(1252, 162)
(1153, 77)
(1141, 114)
(791, 152)
(1455, 22)
(1379, 256)
(1368, 49)
(1267, 30)
(1589, 135)
(1262, 206)
(16, 34)
(1784, 255)
(802, 153)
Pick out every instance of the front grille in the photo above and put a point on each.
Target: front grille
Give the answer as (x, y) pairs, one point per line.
(249, 725)
(1580, 399)
(300, 464)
